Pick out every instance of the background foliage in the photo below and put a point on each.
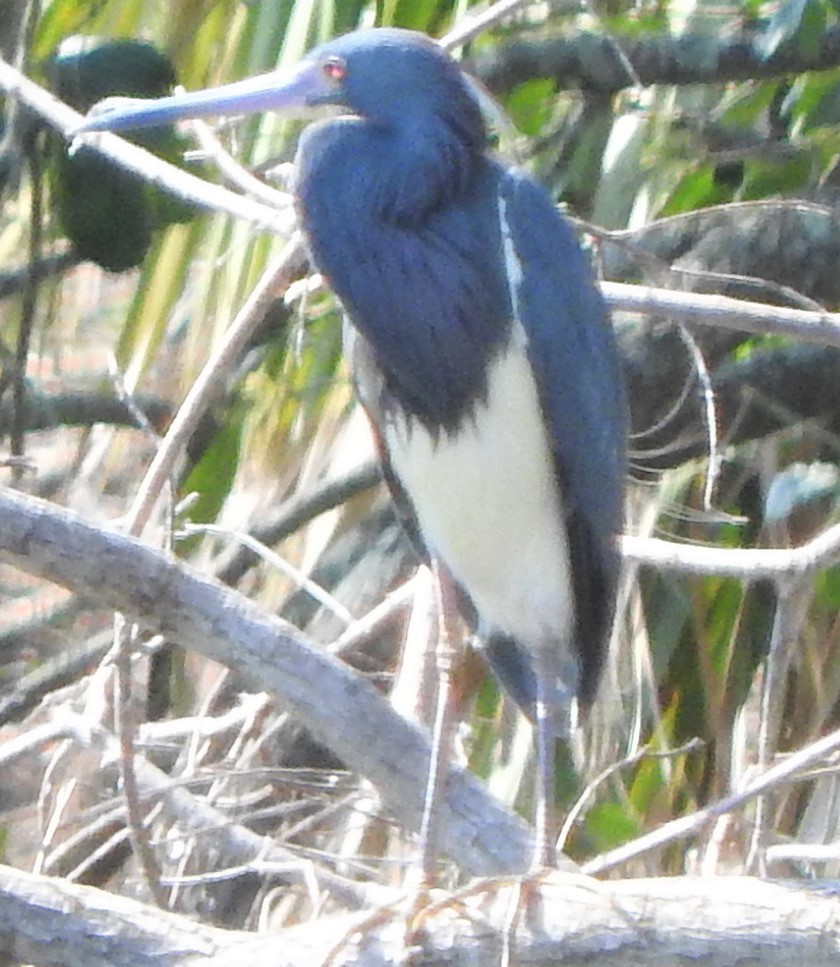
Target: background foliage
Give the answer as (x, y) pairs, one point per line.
(644, 119)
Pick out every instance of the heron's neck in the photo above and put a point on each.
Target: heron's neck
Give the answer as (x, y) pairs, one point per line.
(396, 175)
(411, 245)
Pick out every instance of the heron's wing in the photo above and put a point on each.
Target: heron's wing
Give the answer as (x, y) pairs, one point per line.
(576, 365)
(371, 392)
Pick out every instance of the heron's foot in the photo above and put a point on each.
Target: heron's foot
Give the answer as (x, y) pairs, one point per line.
(408, 912)
(412, 915)
(500, 902)
(360, 932)
(503, 912)
(512, 904)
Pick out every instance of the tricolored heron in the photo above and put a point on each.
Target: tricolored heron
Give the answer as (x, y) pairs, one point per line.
(480, 347)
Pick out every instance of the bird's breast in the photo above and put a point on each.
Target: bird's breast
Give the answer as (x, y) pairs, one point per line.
(488, 503)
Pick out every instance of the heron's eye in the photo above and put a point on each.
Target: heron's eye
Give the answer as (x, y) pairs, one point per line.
(335, 69)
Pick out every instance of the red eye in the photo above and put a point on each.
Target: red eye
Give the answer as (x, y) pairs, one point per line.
(335, 69)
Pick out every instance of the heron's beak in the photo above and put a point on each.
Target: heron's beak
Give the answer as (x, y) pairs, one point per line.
(276, 91)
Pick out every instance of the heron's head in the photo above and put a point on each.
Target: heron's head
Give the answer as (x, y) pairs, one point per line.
(395, 78)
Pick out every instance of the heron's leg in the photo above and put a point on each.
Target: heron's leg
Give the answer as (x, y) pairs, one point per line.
(545, 822)
(421, 878)
(545, 737)
(442, 729)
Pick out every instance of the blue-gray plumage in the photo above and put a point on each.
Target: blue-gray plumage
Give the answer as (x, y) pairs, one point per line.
(480, 346)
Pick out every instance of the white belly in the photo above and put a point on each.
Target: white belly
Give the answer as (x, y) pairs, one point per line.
(489, 508)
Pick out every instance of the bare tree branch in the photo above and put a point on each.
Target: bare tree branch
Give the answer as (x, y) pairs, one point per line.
(718, 310)
(691, 824)
(598, 63)
(646, 923)
(747, 564)
(44, 411)
(333, 702)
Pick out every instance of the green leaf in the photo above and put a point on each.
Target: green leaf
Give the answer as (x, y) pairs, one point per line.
(212, 477)
(828, 588)
(696, 189)
(529, 105)
(768, 177)
(610, 824)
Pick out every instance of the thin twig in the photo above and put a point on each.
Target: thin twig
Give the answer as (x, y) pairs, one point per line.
(133, 158)
(269, 288)
(29, 303)
(470, 26)
(379, 617)
(295, 513)
(641, 755)
(138, 834)
(746, 564)
(304, 583)
(13, 282)
(709, 411)
(236, 173)
(822, 328)
(792, 599)
(688, 825)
